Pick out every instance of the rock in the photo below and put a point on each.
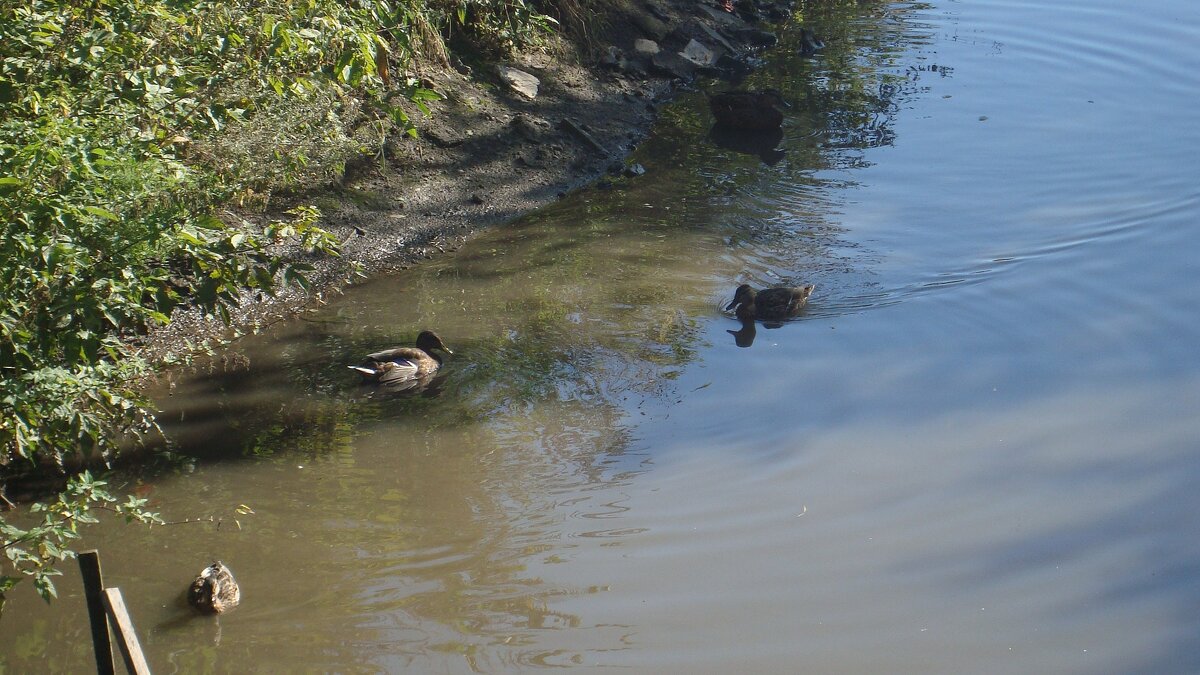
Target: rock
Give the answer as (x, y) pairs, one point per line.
(644, 47)
(756, 37)
(650, 26)
(658, 11)
(699, 54)
(634, 170)
(671, 64)
(476, 198)
(529, 127)
(612, 57)
(444, 137)
(716, 38)
(733, 69)
(720, 17)
(520, 81)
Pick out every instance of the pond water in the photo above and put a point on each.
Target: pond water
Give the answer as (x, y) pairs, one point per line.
(975, 451)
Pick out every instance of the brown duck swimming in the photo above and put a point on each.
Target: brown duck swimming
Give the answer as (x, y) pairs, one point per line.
(215, 590)
(769, 303)
(754, 110)
(404, 364)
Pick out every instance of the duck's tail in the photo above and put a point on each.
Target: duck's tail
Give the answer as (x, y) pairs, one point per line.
(364, 371)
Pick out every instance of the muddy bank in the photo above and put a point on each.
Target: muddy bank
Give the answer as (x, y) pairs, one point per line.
(509, 138)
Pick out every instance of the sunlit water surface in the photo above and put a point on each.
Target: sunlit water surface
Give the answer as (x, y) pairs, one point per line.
(977, 451)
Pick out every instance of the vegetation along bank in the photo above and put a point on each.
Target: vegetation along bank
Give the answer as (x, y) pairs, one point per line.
(163, 162)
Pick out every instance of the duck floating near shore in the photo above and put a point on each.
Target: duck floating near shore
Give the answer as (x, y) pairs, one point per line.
(399, 365)
(769, 303)
(215, 590)
(750, 110)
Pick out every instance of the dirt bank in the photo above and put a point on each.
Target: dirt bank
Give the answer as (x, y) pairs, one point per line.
(490, 153)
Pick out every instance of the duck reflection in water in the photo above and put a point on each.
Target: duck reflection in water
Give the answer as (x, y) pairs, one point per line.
(763, 144)
(744, 337)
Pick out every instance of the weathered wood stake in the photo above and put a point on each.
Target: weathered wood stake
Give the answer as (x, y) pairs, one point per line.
(93, 590)
(131, 649)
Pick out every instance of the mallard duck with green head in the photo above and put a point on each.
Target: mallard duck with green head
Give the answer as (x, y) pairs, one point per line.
(214, 591)
(770, 303)
(404, 364)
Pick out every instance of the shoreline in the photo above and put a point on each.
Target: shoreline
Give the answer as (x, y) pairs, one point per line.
(488, 154)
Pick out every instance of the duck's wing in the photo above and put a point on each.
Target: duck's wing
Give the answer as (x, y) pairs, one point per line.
(395, 370)
(408, 353)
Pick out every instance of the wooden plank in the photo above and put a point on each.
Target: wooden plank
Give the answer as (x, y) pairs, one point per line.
(131, 649)
(93, 590)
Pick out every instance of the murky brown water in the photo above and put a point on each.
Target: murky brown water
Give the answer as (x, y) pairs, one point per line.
(975, 452)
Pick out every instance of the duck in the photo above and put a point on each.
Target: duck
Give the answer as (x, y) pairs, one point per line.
(214, 591)
(755, 110)
(400, 365)
(770, 303)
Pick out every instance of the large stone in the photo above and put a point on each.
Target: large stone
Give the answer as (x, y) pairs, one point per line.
(643, 47)
(699, 54)
(520, 81)
(756, 37)
(672, 64)
(650, 26)
(716, 38)
(720, 16)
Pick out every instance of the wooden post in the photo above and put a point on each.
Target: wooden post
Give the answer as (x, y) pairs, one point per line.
(131, 649)
(93, 590)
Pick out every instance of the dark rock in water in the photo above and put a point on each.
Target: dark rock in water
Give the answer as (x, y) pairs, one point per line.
(762, 144)
(777, 14)
(634, 170)
(733, 69)
(756, 37)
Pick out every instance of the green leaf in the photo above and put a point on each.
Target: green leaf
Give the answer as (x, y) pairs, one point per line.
(103, 213)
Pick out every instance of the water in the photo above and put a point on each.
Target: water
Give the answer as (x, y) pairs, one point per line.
(974, 452)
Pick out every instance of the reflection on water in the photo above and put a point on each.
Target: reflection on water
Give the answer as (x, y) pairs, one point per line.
(974, 450)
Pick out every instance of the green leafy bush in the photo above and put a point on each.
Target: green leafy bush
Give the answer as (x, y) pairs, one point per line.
(127, 129)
